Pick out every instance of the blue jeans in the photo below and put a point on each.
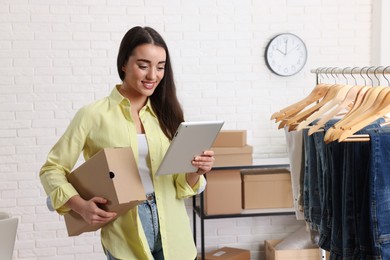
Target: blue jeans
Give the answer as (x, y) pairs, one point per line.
(311, 191)
(325, 225)
(148, 215)
(350, 225)
(335, 180)
(379, 191)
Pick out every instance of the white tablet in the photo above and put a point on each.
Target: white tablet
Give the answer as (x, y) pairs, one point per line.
(190, 139)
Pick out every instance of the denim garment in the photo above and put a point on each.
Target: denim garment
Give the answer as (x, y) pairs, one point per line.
(362, 162)
(335, 161)
(311, 195)
(325, 226)
(350, 237)
(380, 190)
(356, 239)
(148, 215)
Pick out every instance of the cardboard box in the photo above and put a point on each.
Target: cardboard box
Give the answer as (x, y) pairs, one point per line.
(223, 192)
(289, 254)
(228, 253)
(266, 188)
(112, 174)
(233, 156)
(228, 138)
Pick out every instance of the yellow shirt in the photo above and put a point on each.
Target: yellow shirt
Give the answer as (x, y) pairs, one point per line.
(108, 123)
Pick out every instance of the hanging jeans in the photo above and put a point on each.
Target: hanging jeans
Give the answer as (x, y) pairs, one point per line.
(336, 178)
(311, 193)
(325, 225)
(379, 190)
(349, 164)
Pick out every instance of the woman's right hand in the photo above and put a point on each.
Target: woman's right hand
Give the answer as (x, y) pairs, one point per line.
(89, 209)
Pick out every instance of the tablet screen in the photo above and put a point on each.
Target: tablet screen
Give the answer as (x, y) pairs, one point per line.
(190, 139)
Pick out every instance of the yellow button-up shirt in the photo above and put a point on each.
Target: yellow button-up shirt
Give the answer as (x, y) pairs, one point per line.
(108, 123)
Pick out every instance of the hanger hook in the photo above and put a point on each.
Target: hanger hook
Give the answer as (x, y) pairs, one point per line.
(353, 75)
(331, 73)
(367, 73)
(383, 73)
(361, 75)
(342, 73)
(376, 76)
(326, 72)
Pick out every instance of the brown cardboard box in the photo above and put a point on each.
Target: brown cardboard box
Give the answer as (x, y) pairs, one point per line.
(228, 138)
(289, 254)
(228, 253)
(232, 156)
(266, 188)
(223, 192)
(112, 174)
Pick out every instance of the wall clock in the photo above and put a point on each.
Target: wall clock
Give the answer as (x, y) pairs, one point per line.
(285, 54)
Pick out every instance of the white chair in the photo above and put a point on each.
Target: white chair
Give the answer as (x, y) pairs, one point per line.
(8, 227)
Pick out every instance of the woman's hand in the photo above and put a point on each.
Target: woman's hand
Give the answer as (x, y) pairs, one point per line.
(204, 162)
(89, 209)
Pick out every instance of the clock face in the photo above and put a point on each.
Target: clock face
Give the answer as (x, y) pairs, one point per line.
(286, 54)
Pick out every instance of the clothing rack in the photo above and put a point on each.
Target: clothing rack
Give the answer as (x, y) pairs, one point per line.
(335, 95)
(351, 71)
(377, 71)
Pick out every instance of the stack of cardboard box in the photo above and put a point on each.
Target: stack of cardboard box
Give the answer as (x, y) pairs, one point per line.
(231, 149)
(229, 189)
(223, 190)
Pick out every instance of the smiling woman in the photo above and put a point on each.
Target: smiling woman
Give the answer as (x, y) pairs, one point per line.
(142, 113)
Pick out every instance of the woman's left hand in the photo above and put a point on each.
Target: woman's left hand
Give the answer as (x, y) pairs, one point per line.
(204, 162)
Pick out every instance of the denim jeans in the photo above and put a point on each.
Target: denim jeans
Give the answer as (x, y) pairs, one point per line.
(148, 215)
(350, 225)
(379, 190)
(311, 193)
(325, 226)
(343, 179)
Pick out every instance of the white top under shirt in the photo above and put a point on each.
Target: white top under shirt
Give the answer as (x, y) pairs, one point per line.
(144, 171)
(143, 168)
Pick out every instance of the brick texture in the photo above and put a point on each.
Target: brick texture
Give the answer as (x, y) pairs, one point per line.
(57, 55)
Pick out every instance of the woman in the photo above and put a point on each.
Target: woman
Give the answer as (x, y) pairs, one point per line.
(142, 113)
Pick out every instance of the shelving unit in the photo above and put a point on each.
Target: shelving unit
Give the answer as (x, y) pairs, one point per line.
(198, 210)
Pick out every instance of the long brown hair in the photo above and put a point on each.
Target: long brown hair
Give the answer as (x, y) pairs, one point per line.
(164, 99)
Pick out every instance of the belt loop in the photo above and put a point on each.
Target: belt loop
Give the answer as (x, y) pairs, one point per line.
(150, 196)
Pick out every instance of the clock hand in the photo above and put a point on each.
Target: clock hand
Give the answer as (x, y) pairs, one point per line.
(280, 51)
(296, 47)
(285, 47)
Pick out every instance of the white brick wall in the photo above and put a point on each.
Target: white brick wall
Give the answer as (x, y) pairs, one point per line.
(57, 55)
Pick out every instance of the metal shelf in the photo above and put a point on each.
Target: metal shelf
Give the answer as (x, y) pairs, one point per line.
(199, 210)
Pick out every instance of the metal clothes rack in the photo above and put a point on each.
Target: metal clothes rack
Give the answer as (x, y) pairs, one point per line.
(364, 72)
(377, 71)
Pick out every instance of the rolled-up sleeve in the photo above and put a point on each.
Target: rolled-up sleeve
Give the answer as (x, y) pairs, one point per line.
(184, 190)
(60, 161)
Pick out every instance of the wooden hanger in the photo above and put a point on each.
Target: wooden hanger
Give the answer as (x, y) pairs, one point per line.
(330, 94)
(337, 100)
(316, 94)
(369, 98)
(329, 135)
(381, 108)
(345, 105)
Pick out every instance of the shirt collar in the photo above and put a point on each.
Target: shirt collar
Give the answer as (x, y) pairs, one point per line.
(116, 99)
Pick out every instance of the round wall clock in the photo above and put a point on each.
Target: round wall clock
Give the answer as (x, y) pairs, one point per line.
(285, 54)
